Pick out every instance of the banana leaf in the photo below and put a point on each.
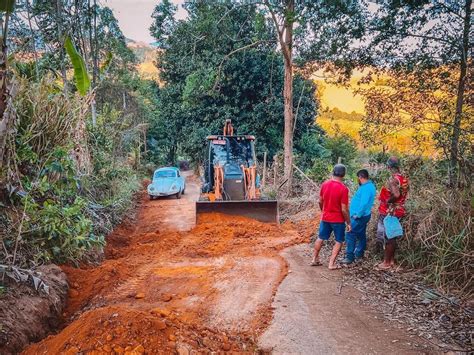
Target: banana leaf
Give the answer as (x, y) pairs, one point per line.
(81, 77)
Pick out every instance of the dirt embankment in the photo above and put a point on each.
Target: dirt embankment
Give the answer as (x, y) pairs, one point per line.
(27, 315)
(164, 288)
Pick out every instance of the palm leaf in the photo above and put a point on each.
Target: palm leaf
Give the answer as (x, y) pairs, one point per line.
(81, 77)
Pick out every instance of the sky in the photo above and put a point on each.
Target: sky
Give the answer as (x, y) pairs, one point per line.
(134, 16)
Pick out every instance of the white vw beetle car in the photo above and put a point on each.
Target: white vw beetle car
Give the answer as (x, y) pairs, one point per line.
(166, 182)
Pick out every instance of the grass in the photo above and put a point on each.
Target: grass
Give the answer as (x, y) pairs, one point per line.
(438, 229)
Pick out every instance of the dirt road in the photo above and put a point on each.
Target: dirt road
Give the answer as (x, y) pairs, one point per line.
(316, 312)
(168, 286)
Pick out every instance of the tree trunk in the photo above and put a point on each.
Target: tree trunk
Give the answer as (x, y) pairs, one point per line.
(288, 132)
(92, 45)
(33, 38)
(275, 172)
(3, 67)
(95, 52)
(5, 118)
(59, 10)
(171, 159)
(93, 113)
(453, 173)
(288, 97)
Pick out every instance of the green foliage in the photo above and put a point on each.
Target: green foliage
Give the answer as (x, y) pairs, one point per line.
(106, 64)
(396, 24)
(62, 232)
(438, 228)
(198, 85)
(341, 146)
(311, 149)
(92, 28)
(164, 22)
(320, 171)
(319, 153)
(46, 118)
(205, 84)
(112, 44)
(7, 5)
(81, 77)
(55, 227)
(64, 197)
(329, 32)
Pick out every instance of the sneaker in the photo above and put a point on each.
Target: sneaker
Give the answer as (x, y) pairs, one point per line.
(347, 261)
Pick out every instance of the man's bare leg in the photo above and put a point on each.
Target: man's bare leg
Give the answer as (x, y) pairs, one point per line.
(317, 248)
(392, 259)
(389, 255)
(335, 252)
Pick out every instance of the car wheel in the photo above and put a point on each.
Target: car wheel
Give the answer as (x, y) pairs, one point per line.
(178, 195)
(183, 191)
(152, 197)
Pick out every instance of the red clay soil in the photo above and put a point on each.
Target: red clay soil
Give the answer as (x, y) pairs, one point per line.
(163, 289)
(27, 315)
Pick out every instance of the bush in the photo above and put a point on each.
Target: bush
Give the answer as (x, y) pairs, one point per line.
(64, 185)
(320, 171)
(341, 146)
(438, 227)
(317, 154)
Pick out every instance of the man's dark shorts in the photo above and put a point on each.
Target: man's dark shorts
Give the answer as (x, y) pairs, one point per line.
(339, 229)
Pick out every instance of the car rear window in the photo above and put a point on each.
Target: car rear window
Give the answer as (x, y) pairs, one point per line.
(165, 173)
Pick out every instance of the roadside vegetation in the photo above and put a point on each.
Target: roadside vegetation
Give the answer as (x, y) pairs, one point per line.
(76, 138)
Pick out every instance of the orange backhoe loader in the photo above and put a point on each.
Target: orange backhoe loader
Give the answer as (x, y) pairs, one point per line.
(231, 184)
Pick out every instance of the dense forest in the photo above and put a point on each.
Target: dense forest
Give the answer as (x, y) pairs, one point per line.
(80, 128)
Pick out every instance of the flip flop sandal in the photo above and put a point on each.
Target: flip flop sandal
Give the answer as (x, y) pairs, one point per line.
(316, 263)
(337, 267)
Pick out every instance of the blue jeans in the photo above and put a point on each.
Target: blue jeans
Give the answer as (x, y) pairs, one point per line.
(356, 239)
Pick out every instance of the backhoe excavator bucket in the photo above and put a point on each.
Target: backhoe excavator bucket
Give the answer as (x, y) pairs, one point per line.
(261, 210)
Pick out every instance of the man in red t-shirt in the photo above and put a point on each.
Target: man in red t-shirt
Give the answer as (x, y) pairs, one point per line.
(392, 202)
(334, 202)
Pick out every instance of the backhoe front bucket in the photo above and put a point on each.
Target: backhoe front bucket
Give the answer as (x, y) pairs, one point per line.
(261, 210)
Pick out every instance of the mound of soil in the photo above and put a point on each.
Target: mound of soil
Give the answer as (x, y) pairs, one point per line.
(28, 315)
(126, 330)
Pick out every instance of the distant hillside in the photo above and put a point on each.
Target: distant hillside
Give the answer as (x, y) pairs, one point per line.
(146, 55)
(343, 112)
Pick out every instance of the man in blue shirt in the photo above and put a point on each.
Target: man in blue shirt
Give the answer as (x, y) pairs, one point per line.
(360, 211)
